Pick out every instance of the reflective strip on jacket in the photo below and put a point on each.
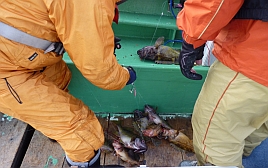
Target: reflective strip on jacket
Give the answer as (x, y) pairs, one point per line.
(84, 28)
(240, 44)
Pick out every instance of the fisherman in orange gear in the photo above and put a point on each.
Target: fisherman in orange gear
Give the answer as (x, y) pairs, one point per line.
(34, 78)
(230, 115)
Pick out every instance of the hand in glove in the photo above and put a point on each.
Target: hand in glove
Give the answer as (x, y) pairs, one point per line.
(132, 75)
(187, 58)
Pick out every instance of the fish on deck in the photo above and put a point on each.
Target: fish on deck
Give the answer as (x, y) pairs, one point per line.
(159, 53)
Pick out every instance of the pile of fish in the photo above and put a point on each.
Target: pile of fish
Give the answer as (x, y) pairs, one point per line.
(151, 125)
(159, 53)
(130, 145)
(125, 144)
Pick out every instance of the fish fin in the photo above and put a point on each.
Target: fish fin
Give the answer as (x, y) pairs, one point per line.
(159, 41)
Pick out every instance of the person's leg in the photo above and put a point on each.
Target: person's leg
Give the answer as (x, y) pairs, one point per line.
(59, 74)
(255, 139)
(52, 111)
(229, 108)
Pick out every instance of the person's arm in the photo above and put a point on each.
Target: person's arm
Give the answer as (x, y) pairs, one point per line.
(84, 28)
(202, 20)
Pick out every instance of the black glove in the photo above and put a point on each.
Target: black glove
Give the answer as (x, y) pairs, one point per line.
(187, 58)
(182, 3)
(117, 45)
(132, 75)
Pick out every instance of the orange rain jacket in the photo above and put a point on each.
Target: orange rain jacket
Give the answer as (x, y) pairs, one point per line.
(239, 44)
(84, 28)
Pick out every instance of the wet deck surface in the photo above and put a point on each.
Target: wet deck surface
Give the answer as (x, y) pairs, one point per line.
(42, 152)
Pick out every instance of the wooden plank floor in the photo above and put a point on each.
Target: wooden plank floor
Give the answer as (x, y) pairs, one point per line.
(44, 153)
(14, 136)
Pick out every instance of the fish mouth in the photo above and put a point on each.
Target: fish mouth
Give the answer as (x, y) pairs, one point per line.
(139, 52)
(140, 146)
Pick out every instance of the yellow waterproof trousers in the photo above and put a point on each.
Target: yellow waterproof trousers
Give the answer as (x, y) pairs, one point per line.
(40, 99)
(230, 117)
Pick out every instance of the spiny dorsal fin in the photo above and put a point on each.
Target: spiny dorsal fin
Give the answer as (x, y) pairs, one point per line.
(159, 41)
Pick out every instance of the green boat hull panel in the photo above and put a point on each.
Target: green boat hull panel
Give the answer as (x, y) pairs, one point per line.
(160, 85)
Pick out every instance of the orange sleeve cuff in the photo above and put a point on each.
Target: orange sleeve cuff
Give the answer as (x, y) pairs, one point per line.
(195, 42)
